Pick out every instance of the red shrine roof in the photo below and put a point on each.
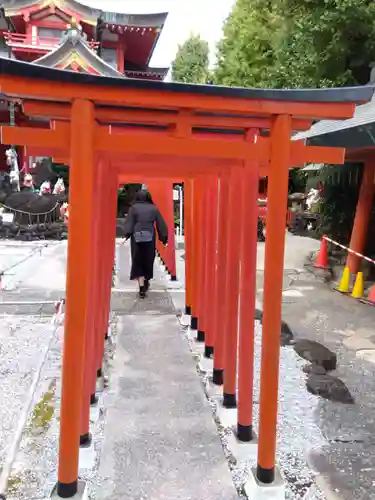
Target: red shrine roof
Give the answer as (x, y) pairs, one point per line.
(139, 33)
(83, 13)
(75, 54)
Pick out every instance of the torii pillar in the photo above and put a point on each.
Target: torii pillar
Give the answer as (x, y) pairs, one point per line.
(362, 216)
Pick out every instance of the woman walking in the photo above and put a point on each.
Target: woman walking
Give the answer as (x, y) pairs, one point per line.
(140, 225)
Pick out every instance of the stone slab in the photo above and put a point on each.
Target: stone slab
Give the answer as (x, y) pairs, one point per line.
(214, 392)
(357, 343)
(367, 355)
(160, 439)
(185, 320)
(243, 451)
(257, 491)
(206, 365)
(83, 493)
(154, 303)
(87, 457)
(226, 416)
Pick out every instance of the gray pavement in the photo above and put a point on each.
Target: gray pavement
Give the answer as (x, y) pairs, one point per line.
(160, 439)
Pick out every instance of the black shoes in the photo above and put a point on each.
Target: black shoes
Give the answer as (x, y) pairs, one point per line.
(144, 289)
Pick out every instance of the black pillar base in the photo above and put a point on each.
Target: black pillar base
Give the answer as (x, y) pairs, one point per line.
(265, 476)
(99, 373)
(244, 433)
(188, 310)
(208, 351)
(85, 440)
(218, 377)
(229, 400)
(67, 490)
(93, 399)
(173, 278)
(200, 336)
(194, 323)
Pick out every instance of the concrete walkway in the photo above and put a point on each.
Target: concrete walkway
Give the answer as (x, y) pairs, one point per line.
(160, 440)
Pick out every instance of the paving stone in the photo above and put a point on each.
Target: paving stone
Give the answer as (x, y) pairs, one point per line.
(329, 387)
(316, 353)
(356, 342)
(367, 355)
(314, 369)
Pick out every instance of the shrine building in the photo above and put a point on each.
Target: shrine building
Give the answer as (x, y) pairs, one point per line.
(66, 34)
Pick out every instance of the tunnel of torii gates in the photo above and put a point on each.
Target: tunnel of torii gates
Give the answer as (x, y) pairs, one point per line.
(216, 140)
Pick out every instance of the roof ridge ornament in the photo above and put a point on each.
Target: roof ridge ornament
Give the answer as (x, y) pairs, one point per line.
(74, 32)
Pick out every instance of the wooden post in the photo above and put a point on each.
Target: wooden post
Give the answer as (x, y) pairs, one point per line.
(188, 240)
(231, 290)
(198, 268)
(362, 216)
(272, 295)
(219, 326)
(109, 217)
(171, 249)
(247, 300)
(193, 256)
(105, 178)
(210, 237)
(77, 291)
(92, 317)
(202, 269)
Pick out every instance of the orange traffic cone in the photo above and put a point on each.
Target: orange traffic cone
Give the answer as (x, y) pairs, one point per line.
(322, 257)
(371, 295)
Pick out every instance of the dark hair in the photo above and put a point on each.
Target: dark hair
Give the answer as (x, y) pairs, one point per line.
(143, 196)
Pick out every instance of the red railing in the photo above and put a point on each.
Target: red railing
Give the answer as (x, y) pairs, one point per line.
(19, 40)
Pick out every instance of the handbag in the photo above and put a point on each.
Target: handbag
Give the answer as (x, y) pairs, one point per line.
(143, 236)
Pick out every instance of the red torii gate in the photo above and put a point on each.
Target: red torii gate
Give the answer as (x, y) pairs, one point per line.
(187, 127)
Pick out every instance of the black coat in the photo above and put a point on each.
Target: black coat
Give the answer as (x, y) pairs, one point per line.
(143, 216)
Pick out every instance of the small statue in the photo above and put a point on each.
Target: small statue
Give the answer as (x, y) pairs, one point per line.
(28, 183)
(45, 188)
(64, 212)
(59, 187)
(14, 174)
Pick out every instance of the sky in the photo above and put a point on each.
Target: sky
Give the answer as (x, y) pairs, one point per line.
(204, 17)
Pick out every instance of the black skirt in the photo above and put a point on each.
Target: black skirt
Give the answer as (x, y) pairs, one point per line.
(143, 256)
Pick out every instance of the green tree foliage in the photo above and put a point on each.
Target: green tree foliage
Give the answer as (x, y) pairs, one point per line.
(341, 188)
(246, 52)
(328, 43)
(191, 62)
(297, 43)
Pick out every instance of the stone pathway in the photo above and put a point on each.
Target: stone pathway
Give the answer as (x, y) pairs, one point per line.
(160, 440)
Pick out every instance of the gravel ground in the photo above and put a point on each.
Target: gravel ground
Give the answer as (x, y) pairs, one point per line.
(22, 340)
(298, 430)
(34, 473)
